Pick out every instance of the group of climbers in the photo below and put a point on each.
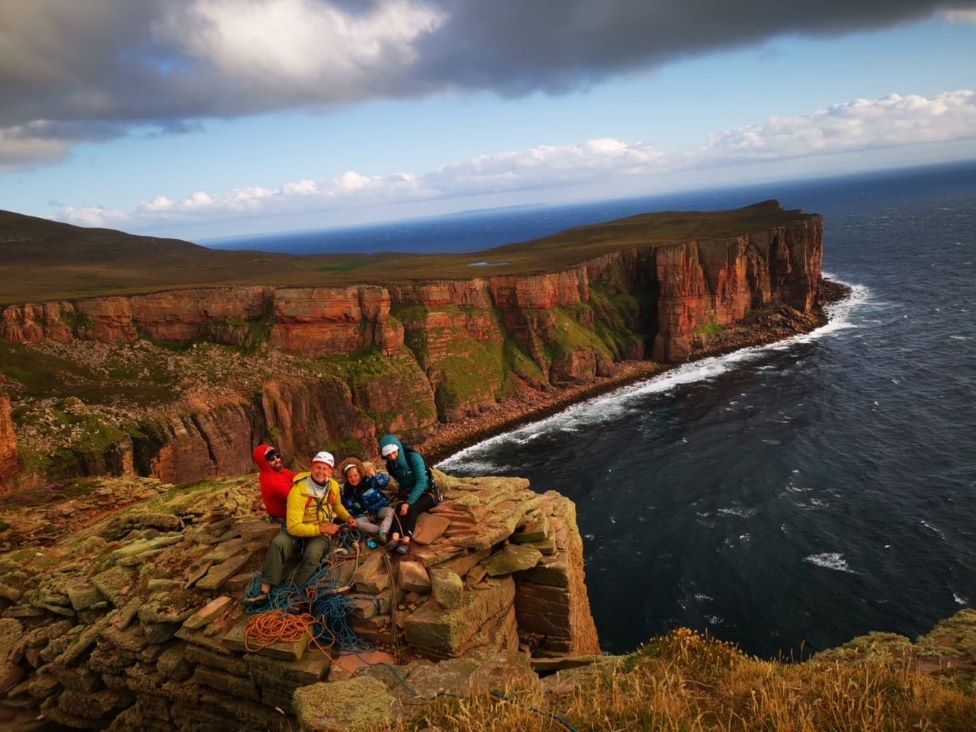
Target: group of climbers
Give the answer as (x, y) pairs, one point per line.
(312, 507)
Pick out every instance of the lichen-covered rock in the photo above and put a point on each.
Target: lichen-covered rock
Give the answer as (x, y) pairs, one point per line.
(512, 558)
(446, 587)
(447, 633)
(356, 705)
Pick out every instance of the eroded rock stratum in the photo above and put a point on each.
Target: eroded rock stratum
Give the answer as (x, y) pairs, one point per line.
(180, 385)
(131, 618)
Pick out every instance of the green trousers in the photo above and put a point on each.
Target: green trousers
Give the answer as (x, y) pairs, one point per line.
(285, 546)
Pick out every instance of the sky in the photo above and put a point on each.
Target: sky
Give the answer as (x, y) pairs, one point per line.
(203, 119)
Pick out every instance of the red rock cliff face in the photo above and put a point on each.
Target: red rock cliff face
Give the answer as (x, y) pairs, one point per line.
(9, 462)
(407, 357)
(719, 281)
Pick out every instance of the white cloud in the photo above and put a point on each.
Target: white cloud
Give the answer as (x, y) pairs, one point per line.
(960, 16)
(855, 126)
(303, 48)
(95, 216)
(859, 125)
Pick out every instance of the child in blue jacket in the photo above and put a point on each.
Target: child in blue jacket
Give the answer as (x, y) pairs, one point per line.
(363, 497)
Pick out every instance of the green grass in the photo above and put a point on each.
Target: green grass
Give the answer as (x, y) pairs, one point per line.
(44, 375)
(710, 329)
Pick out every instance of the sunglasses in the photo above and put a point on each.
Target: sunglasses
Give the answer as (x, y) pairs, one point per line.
(272, 456)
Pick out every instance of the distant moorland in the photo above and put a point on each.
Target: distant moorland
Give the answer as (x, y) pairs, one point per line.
(46, 260)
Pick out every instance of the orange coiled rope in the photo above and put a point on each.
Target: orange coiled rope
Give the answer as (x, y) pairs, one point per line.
(278, 626)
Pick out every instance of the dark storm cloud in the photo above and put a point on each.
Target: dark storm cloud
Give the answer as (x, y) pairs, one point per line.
(514, 47)
(109, 65)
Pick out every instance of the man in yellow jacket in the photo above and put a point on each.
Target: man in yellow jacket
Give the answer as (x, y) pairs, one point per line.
(314, 504)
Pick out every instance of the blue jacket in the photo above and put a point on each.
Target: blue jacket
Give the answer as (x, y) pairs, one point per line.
(367, 497)
(410, 471)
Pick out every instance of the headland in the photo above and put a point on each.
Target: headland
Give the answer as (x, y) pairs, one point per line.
(178, 382)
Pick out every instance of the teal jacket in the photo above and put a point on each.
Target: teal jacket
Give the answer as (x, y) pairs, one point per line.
(409, 471)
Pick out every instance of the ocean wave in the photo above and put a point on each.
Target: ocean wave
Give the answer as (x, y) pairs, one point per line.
(610, 406)
(930, 527)
(830, 560)
(738, 511)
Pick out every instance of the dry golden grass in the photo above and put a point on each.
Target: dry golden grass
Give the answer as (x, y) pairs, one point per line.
(685, 682)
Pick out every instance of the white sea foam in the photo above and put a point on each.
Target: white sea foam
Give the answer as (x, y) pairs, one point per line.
(960, 600)
(930, 527)
(830, 560)
(738, 511)
(610, 406)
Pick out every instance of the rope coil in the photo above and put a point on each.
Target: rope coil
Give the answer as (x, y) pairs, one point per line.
(318, 608)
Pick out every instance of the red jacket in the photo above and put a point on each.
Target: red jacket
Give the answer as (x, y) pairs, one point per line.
(275, 484)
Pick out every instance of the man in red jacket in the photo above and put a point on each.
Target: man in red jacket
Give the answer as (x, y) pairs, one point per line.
(276, 480)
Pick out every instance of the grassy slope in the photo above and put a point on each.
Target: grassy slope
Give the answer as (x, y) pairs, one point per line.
(45, 260)
(686, 682)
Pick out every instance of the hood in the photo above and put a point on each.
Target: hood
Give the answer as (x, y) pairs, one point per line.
(258, 454)
(401, 455)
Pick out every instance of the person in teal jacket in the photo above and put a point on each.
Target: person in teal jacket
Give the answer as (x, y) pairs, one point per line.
(415, 492)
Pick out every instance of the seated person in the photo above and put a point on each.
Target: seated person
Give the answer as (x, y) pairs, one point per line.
(314, 504)
(363, 497)
(275, 479)
(416, 492)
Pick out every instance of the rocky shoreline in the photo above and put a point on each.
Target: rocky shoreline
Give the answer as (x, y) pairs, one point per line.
(767, 326)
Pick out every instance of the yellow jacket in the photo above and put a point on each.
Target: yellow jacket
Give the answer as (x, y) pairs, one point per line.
(306, 513)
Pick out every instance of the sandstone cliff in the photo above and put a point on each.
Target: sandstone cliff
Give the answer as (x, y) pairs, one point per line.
(135, 616)
(9, 461)
(407, 357)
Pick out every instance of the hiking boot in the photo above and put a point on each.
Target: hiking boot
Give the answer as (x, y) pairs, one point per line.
(402, 549)
(255, 600)
(383, 538)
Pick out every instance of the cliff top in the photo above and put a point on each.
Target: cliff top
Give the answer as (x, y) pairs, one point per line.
(133, 617)
(46, 260)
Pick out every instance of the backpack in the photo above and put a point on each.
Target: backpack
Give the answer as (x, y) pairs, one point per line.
(434, 491)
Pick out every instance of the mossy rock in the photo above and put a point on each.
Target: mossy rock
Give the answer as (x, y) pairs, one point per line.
(953, 637)
(869, 647)
(361, 703)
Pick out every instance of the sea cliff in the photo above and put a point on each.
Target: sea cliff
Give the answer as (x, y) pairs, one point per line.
(335, 366)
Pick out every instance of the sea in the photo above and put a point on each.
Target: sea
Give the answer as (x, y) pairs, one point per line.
(789, 497)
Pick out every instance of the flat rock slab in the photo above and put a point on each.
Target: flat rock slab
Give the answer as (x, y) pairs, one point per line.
(359, 704)
(513, 558)
(347, 665)
(219, 574)
(284, 675)
(114, 583)
(430, 528)
(207, 613)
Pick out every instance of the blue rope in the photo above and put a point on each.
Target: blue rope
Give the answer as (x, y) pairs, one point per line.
(329, 609)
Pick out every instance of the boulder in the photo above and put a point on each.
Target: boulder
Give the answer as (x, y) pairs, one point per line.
(413, 577)
(359, 704)
(513, 558)
(447, 588)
